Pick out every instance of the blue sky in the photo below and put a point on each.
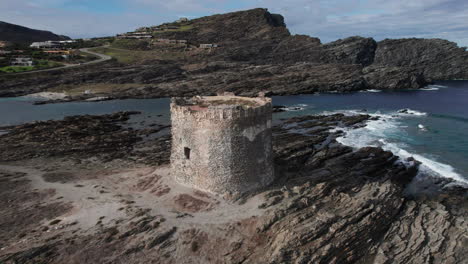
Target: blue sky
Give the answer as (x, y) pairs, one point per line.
(328, 20)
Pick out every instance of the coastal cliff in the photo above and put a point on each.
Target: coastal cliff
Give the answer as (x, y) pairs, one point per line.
(256, 52)
(96, 189)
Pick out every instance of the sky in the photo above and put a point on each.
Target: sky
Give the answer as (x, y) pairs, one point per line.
(327, 19)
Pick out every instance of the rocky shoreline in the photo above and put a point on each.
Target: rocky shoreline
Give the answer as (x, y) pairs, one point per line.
(264, 58)
(94, 189)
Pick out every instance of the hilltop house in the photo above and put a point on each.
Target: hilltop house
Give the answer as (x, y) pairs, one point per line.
(50, 44)
(135, 35)
(22, 61)
(208, 46)
(46, 45)
(4, 44)
(182, 19)
(172, 41)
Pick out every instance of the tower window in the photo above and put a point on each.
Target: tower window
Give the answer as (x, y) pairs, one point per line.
(187, 153)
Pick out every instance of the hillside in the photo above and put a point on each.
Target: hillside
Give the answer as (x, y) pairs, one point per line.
(256, 53)
(19, 34)
(256, 24)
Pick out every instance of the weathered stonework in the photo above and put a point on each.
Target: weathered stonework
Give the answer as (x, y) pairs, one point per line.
(222, 144)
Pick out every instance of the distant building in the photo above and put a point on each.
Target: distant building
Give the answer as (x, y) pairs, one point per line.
(22, 61)
(4, 44)
(66, 41)
(208, 46)
(182, 19)
(143, 29)
(135, 35)
(163, 40)
(172, 41)
(46, 45)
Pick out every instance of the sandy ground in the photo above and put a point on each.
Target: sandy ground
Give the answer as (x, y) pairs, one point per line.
(104, 197)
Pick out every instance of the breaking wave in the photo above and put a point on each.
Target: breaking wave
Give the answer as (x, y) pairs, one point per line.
(433, 87)
(371, 91)
(297, 107)
(407, 111)
(385, 133)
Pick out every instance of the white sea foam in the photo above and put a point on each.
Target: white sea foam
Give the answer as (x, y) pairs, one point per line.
(376, 134)
(430, 89)
(372, 91)
(298, 107)
(407, 111)
(433, 87)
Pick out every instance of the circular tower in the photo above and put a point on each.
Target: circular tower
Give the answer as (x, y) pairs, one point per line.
(222, 144)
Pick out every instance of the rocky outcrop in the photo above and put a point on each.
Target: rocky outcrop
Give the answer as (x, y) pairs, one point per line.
(352, 50)
(170, 79)
(437, 59)
(77, 136)
(382, 78)
(429, 229)
(330, 204)
(255, 24)
(257, 53)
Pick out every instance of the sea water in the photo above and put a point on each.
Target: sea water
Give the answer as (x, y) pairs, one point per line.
(433, 129)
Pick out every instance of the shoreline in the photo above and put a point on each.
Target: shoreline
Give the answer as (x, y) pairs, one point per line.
(77, 191)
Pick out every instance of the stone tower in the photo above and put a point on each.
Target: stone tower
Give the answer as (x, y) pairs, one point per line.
(222, 144)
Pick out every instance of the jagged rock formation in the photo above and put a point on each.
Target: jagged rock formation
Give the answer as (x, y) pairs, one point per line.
(437, 59)
(257, 52)
(331, 204)
(353, 50)
(19, 34)
(379, 77)
(256, 24)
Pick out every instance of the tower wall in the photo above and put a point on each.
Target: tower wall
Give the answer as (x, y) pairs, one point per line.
(222, 149)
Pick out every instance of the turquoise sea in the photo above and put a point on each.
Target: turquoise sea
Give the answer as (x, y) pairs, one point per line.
(433, 129)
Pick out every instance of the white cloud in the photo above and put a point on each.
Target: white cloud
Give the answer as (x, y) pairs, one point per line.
(328, 20)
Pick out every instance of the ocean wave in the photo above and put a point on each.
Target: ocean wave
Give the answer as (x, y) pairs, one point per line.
(297, 107)
(433, 87)
(430, 89)
(371, 91)
(378, 133)
(408, 111)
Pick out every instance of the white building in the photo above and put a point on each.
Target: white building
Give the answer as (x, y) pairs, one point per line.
(208, 46)
(46, 45)
(182, 19)
(22, 61)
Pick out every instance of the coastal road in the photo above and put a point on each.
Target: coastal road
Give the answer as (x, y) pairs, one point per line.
(102, 58)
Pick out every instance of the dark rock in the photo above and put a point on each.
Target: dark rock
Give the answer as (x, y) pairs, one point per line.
(436, 59)
(394, 78)
(352, 50)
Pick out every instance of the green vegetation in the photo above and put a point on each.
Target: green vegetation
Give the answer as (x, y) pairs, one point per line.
(131, 44)
(180, 29)
(123, 56)
(137, 56)
(40, 64)
(13, 69)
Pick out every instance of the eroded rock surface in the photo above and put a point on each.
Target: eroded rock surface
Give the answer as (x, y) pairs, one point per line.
(329, 204)
(256, 52)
